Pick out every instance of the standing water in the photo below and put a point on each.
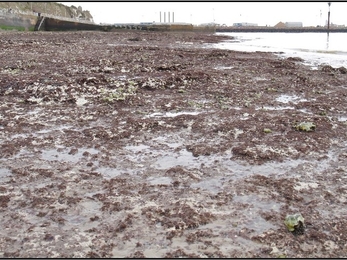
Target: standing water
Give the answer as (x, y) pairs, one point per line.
(315, 48)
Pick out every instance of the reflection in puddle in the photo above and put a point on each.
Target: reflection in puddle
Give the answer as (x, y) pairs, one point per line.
(338, 118)
(109, 172)
(212, 185)
(19, 136)
(164, 140)
(81, 101)
(271, 108)
(136, 148)
(287, 98)
(257, 224)
(223, 67)
(342, 118)
(171, 114)
(181, 158)
(59, 128)
(159, 180)
(40, 132)
(253, 200)
(4, 172)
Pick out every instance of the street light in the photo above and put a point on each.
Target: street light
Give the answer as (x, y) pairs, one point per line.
(329, 3)
(213, 14)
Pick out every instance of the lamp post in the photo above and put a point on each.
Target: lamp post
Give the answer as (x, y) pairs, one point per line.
(213, 15)
(329, 3)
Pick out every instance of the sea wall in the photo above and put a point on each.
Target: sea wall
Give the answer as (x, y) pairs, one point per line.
(52, 24)
(19, 22)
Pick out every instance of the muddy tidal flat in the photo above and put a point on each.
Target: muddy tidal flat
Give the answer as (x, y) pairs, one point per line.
(148, 144)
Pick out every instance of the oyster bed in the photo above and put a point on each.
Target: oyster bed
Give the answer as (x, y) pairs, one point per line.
(149, 144)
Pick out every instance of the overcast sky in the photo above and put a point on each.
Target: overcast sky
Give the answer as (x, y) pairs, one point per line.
(261, 13)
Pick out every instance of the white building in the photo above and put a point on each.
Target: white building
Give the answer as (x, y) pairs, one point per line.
(293, 24)
(244, 24)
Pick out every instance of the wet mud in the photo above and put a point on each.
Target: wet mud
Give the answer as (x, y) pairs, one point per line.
(166, 147)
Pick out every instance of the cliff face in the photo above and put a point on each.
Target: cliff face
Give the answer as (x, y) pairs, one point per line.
(51, 8)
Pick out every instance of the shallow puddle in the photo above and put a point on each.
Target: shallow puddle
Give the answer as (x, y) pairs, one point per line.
(159, 180)
(66, 154)
(108, 172)
(342, 118)
(288, 98)
(171, 114)
(81, 101)
(58, 128)
(137, 148)
(224, 67)
(274, 108)
(213, 185)
(278, 108)
(257, 202)
(4, 172)
(181, 158)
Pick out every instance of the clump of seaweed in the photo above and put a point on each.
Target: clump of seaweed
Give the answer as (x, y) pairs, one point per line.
(295, 224)
(306, 126)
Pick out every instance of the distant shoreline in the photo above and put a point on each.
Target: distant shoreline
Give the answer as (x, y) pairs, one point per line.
(282, 30)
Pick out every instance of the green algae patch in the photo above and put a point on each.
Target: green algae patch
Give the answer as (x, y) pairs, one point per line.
(306, 127)
(295, 223)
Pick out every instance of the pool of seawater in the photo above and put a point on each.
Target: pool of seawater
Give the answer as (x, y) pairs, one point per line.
(4, 172)
(65, 154)
(315, 48)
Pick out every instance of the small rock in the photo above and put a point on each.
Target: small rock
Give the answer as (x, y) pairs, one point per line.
(73, 151)
(342, 70)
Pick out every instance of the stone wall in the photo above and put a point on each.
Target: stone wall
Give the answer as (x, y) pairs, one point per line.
(25, 22)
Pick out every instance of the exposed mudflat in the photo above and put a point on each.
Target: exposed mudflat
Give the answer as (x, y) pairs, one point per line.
(147, 144)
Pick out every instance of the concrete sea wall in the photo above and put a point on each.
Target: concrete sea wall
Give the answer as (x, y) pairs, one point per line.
(52, 24)
(19, 22)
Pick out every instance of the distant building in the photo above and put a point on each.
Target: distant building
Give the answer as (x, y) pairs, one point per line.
(244, 24)
(288, 25)
(336, 25)
(209, 24)
(280, 25)
(293, 24)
